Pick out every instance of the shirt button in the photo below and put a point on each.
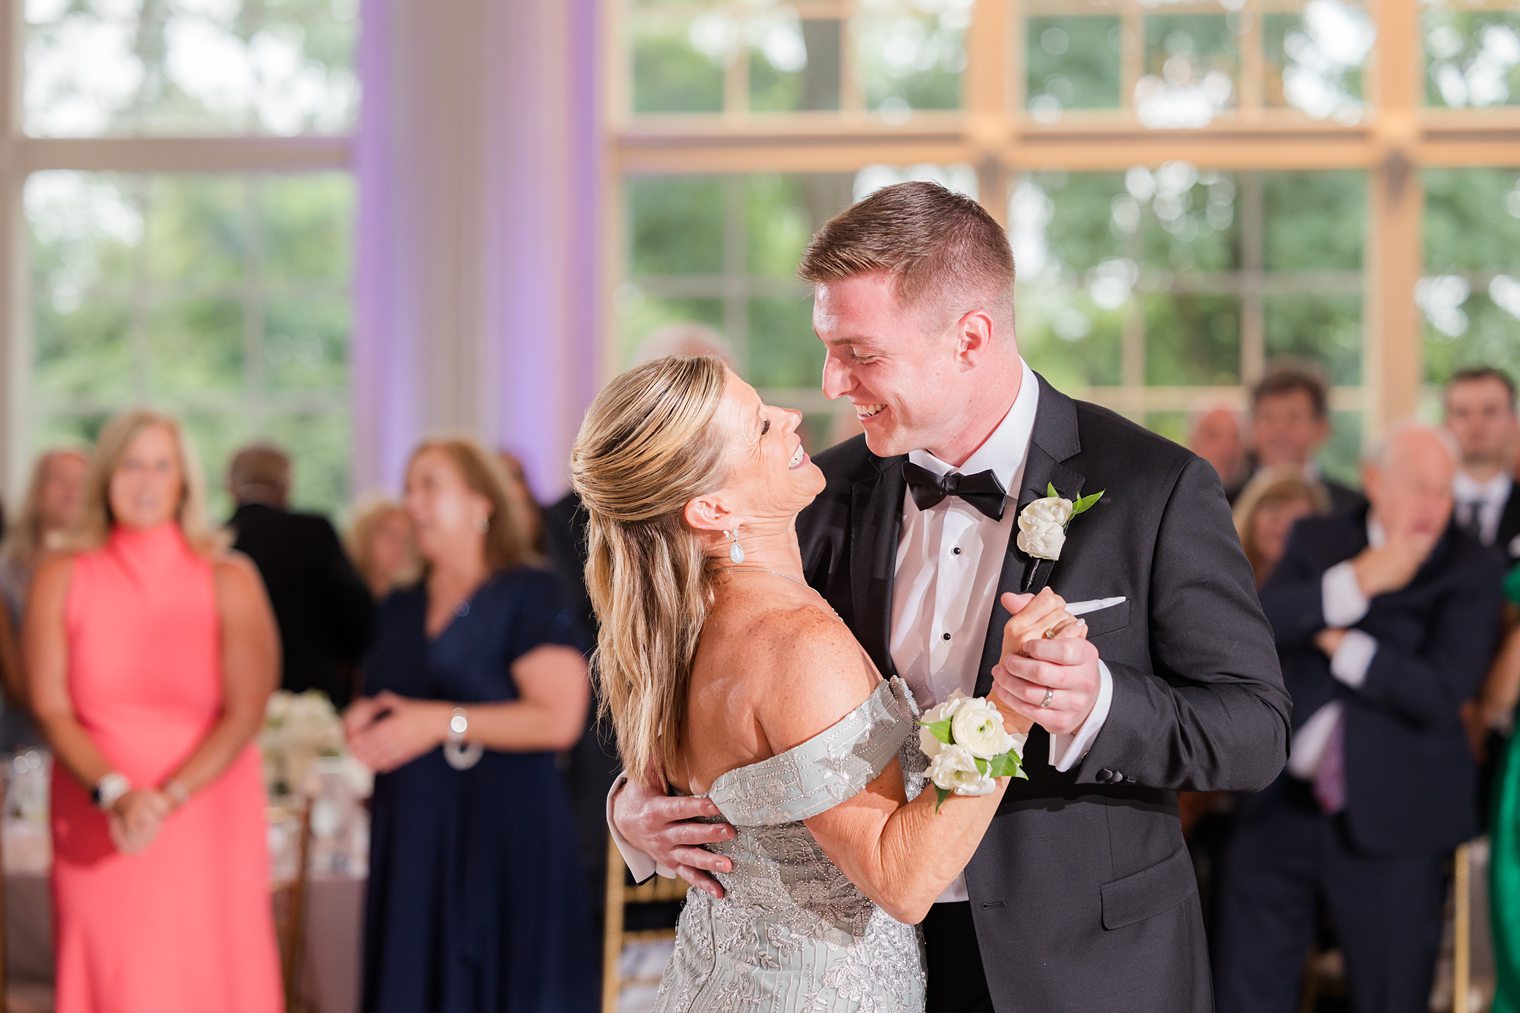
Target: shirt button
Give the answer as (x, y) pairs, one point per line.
(462, 609)
(946, 636)
(956, 550)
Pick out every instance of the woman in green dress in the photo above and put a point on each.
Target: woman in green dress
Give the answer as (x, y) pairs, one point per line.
(1500, 693)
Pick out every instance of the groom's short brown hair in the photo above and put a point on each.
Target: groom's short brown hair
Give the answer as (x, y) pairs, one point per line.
(936, 244)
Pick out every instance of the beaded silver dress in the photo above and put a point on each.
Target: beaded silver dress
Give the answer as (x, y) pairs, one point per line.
(792, 933)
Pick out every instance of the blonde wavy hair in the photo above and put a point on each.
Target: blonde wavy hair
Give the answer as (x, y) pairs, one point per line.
(369, 512)
(507, 535)
(96, 519)
(1271, 488)
(648, 445)
(25, 541)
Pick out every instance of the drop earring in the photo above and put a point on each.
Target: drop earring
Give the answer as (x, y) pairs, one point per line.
(735, 551)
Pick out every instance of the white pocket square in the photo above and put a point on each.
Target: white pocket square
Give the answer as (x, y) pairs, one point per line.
(1078, 608)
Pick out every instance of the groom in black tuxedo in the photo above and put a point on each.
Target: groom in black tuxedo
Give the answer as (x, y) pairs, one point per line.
(928, 539)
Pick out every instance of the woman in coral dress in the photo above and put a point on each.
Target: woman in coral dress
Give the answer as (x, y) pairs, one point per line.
(150, 654)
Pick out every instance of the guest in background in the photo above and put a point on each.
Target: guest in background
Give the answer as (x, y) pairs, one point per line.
(323, 609)
(1266, 511)
(381, 546)
(150, 654)
(1290, 422)
(1479, 411)
(522, 497)
(1215, 436)
(50, 507)
(1386, 621)
(684, 337)
(476, 679)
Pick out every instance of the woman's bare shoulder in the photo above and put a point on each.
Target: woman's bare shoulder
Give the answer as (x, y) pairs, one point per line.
(814, 673)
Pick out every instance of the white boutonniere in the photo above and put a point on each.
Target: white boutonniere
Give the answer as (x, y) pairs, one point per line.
(1043, 523)
(968, 747)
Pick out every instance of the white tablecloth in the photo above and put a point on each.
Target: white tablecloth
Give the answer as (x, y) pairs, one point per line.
(334, 923)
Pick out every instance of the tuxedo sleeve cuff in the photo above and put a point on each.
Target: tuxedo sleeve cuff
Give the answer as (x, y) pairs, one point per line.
(1345, 604)
(1066, 751)
(640, 864)
(1353, 658)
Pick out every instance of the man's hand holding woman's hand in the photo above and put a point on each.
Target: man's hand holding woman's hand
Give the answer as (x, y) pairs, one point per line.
(1048, 673)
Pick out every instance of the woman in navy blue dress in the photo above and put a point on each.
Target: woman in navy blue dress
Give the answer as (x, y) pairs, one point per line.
(475, 680)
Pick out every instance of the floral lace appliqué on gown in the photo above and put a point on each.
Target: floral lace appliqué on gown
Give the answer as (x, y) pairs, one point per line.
(793, 935)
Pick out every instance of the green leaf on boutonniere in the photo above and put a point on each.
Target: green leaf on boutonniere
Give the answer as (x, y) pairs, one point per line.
(1086, 502)
(1006, 765)
(939, 729)
(1050, 491)
(943, 794)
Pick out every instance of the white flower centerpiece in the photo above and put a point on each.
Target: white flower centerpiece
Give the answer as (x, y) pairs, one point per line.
(968, 747)
(299, 730)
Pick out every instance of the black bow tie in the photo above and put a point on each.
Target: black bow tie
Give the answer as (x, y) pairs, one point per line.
(982, 490)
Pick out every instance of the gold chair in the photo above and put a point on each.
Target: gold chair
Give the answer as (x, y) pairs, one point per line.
(621, 892)
(1461, 935)
(289, 896)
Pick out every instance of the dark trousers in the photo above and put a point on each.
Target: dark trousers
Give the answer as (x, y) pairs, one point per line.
(957, 983)
(1288, 865)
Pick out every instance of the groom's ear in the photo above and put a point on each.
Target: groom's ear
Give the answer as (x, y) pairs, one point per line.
(708, 513)
(973, 337)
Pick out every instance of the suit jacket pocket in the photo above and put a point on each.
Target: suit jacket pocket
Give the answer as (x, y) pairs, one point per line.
(1108, 620)
(1149, 892)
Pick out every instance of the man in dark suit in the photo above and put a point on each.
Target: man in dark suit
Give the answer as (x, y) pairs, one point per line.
(927, 543)
(1480, 414)
(1290, 422)
(1385, 621)
(321, 605)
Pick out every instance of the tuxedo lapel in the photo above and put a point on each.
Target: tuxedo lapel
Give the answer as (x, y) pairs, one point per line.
(876, 504)
(1054, 441)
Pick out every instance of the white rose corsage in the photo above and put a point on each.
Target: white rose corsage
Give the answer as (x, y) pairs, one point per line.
(968, 747)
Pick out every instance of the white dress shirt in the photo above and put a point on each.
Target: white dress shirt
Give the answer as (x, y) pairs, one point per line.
(1491, 496)
(949, 559)
(1344, 604)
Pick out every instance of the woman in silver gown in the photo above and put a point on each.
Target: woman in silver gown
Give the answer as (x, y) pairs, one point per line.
(727, 676)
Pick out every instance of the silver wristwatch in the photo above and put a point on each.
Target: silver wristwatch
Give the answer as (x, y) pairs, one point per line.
(110, 788)
(455, 752)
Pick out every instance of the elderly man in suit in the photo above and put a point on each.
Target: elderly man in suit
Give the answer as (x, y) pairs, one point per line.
(1385, 621)
(1081, 896)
